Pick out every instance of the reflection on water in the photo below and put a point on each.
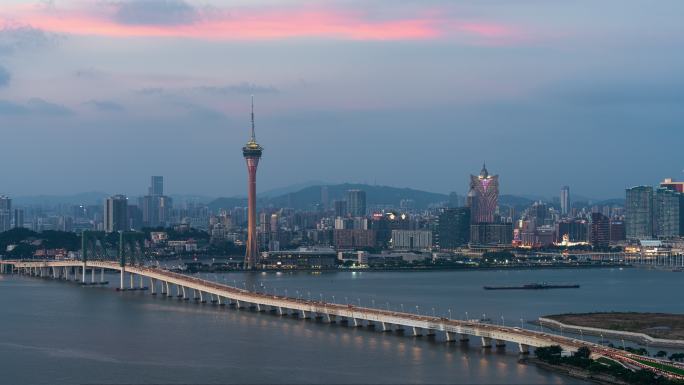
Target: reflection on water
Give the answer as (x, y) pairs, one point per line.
(58, 333)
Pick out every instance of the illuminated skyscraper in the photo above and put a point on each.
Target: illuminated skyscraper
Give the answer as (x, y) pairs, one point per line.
(483, 196)
(252, 152)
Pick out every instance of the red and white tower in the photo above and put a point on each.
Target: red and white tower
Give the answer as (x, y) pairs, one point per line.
(252, 153)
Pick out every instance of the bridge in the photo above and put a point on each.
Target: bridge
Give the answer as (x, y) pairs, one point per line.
(167, 283)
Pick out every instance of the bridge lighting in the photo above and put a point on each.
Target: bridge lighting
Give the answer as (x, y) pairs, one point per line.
(466, 316)
(417, 310)
(434, 314)
(503, 322)
(402, 307)
(450, 314)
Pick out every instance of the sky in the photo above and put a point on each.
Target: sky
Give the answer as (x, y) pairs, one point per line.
(98, 95)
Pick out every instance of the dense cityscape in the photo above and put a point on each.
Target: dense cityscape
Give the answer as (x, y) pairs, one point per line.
(324, 227)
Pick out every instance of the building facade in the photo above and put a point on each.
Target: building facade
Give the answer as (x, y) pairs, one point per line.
(483, 196)
(116, 214)
(639, 213)
(356, 203)
(600, 231)
(5, 213)
(565, 200)
(411, 239)
(453, 228)
(668, 208)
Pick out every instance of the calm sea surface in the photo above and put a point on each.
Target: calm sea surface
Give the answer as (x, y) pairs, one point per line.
(59, 333)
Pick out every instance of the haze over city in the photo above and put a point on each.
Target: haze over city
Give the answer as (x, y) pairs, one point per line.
(97, 96)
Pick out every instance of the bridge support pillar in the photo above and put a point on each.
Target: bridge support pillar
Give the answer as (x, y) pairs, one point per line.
(121, 278)
(355, 322)
(201, 297)
(153, 284)
(185, 295)
(164, 288)
(386, 326)
(142, 284)
(92, 276)
(305, 314)
(131, 283)
(486, 342)
(330, 318)
(281, 311)
(83, 273)
(101, 276)
(66, 273)
(524, 349)
(417, 332)
(449, 337)
(465, 338)
(500, 343)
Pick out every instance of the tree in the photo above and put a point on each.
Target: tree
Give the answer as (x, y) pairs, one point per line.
(661, 353)
(583, 352)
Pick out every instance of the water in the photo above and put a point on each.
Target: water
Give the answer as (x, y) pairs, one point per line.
(59, 333)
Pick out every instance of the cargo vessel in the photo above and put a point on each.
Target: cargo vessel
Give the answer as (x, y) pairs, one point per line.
(533, 286)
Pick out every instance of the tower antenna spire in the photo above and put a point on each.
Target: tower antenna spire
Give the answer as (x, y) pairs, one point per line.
(253, 135)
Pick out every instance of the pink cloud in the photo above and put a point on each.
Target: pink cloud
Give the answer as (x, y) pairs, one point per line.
(263, 24)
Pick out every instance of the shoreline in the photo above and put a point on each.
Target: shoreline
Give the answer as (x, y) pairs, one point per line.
(414, 269)
(573, 372)
(640, 338)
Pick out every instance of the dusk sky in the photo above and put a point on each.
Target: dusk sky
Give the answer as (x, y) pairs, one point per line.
(99, 95)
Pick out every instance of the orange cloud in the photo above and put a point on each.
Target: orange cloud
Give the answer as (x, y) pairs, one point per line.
(260, 24)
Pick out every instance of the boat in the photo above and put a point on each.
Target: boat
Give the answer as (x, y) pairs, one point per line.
(534, 286)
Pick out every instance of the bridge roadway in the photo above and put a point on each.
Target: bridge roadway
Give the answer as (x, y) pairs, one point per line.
(387, 320)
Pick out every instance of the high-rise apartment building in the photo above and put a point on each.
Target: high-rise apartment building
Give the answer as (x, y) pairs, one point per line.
(668, 210)
(600, 230)
(340, 208)
(156, 185)
(5, 213)
(18, 218)
(453, 228)
(156, 207)
(565, 200)
(116, 214)
(483, 196)
(356, 203)
(639, 212)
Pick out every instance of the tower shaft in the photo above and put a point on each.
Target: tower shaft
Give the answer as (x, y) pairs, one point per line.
(252, 252)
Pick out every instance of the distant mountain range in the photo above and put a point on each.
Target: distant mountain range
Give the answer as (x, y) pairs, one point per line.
(306, 196)
(311, 197)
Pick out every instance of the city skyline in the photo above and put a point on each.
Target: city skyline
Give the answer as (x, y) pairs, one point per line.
(574, 104)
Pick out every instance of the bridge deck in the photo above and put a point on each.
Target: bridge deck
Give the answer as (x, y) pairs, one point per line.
(524, 337)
